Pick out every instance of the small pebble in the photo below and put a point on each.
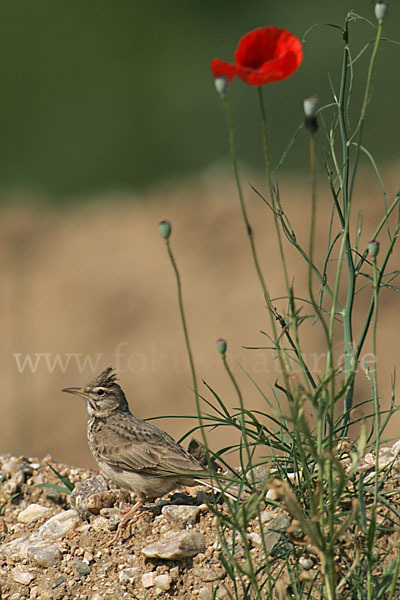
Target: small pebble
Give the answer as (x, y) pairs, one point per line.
(34, 512)
(176, 546)
(81, 493)
(10, 466)
(255, 538)
(106, 568)
(87, 557)
(128, 575)
(280, 523)
(45, 556)
(114, 521)
(148, 579)
(10, 487)
(109, 512)
(207, 574)
(58, 581)
(205, 593)
(100, 524)
(82, 567)
(306, 563)
(163, 582)
(174, 572)
(272, 494)
(267, 515)
(260, 474)
(59, 525)
(395, 449)
(34, 592)
(21, 576)
(182, 516)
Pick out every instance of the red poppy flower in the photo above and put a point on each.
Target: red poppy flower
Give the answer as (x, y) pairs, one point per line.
(263, 55)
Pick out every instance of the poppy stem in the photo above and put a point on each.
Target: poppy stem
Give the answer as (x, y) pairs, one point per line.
(187, 342)
(271, 186)
(232, 142)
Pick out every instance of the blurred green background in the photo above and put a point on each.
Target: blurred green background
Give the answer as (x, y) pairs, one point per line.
(118, 95)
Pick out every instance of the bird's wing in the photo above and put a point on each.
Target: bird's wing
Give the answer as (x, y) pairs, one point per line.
(141, 447)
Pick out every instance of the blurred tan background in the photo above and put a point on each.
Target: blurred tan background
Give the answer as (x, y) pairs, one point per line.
(94, 284)
(110, 123)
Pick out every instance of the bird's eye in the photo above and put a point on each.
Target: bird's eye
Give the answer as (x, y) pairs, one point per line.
(100, 392)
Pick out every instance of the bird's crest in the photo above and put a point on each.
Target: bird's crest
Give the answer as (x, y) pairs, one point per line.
(107, 378)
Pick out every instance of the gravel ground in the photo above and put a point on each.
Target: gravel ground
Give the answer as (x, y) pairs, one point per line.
(52, 544)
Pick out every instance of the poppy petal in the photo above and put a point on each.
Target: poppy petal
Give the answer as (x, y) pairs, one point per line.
(220, 68)
(267, 54)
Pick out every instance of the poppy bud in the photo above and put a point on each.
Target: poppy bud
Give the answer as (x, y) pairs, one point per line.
(373, 248)
(221, 346)
(221, 85)
(311, 106)
(165, 228)
(381, 10)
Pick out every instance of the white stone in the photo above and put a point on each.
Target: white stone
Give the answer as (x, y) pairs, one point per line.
(396, 447)
(176, 546)
(369, 458)
(87, 557)
(43, 555)
(163, 581)
(272, 494)
(182, 516)
(59, 525)
(267, 515)
(100, 524)
(370, 476)
(255, 538)
(34, 512)
(306, 563)
(384, 460)
(21, 576)
(34, 592)
(148, 579)
(205, 593)
(10, 466)
(128, 575)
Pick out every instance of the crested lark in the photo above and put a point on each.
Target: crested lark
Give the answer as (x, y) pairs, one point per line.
(136, 455)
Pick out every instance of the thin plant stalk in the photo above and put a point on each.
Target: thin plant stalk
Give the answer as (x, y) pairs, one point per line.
(345, 211)
(242, 410)
(313, 168)
(377, 417)
(249, 229)
(187, 341)
(281, 355)
(380, 276)
(270, 184)
(321, 422)
(347, 195)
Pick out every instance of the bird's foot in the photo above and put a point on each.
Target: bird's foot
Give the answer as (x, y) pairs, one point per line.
(131, 516)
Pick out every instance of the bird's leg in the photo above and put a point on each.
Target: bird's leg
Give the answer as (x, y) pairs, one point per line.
(124, 521)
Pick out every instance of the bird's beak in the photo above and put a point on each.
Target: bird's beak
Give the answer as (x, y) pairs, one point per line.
(78, 391)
